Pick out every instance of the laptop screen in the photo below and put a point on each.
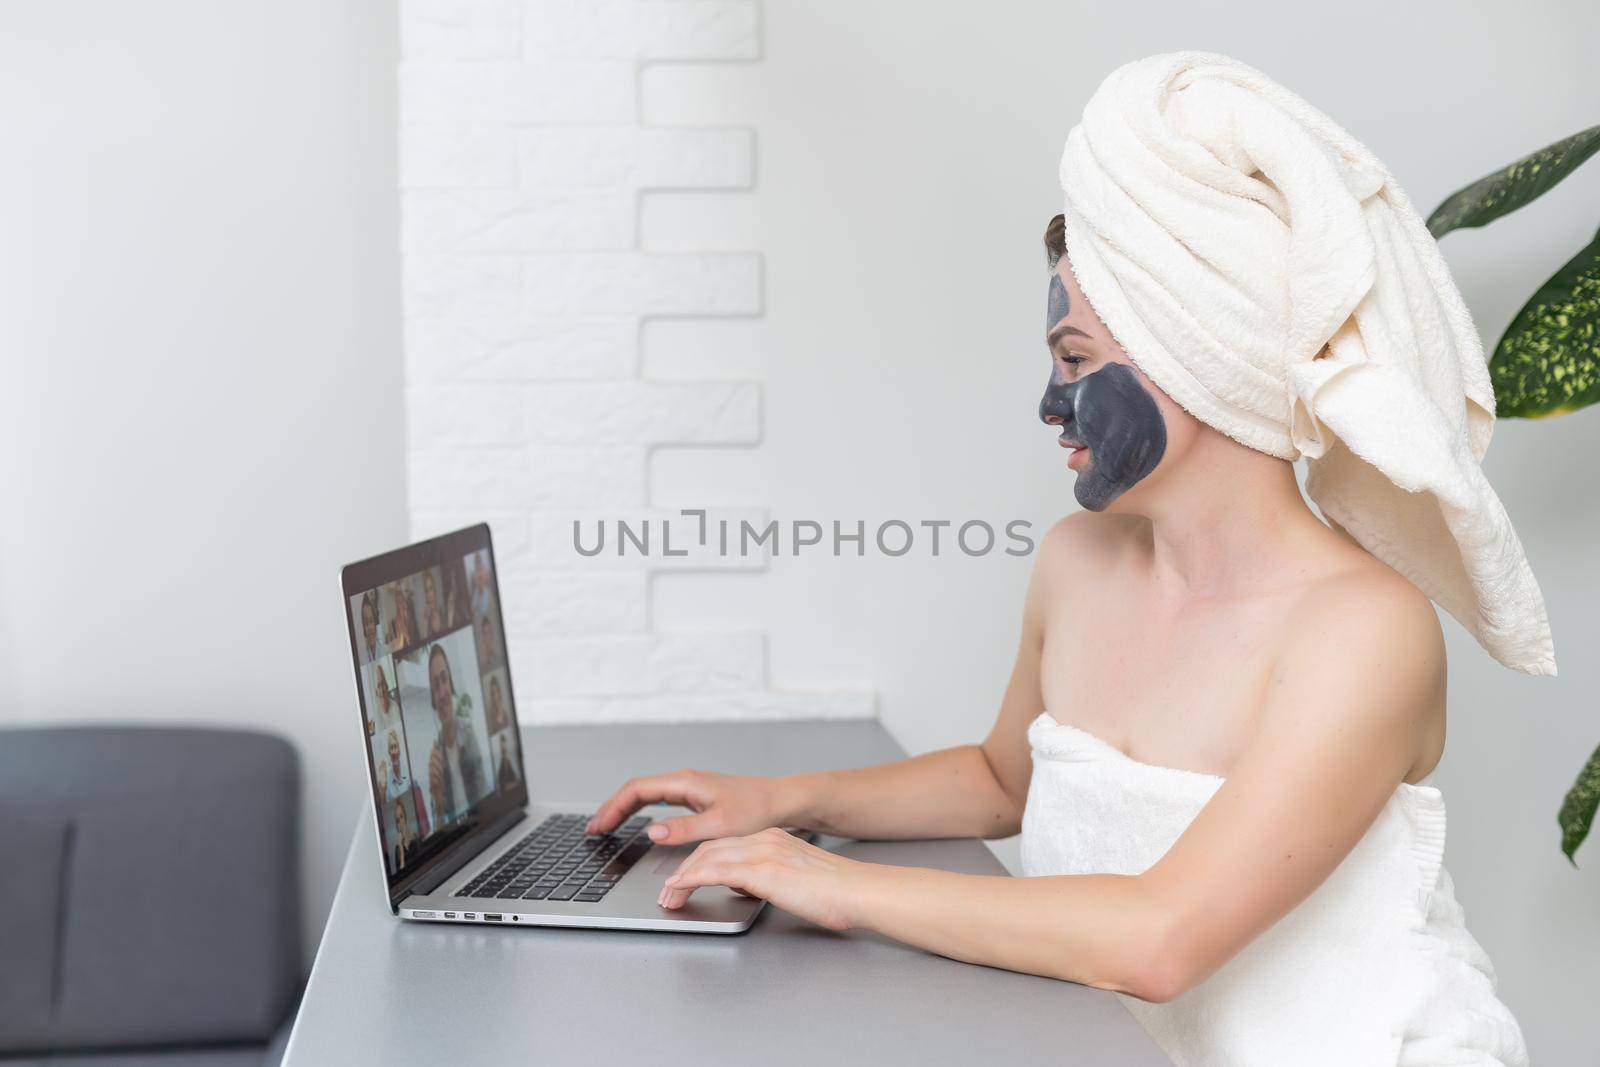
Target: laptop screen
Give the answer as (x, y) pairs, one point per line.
(436, 704)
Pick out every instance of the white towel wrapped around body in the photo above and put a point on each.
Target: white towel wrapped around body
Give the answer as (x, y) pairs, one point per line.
(1266, 271)
(1376, 968)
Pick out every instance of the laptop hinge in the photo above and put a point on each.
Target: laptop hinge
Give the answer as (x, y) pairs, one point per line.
(489, 834)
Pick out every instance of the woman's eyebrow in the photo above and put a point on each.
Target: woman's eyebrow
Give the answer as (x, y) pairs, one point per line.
(1064, 330)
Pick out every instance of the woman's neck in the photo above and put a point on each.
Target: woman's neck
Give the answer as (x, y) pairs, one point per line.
(1234, 522)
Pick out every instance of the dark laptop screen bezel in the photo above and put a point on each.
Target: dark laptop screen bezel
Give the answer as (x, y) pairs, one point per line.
(463, 840)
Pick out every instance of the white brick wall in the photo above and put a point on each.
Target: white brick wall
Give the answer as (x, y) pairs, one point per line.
(529, 130)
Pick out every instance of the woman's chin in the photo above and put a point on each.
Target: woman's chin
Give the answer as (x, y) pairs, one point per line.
(1094, 494)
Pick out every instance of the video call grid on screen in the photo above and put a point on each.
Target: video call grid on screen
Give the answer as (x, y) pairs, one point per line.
(442, 745)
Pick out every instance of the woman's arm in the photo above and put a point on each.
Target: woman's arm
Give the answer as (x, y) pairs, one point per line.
(967, 791)
(1347, 705)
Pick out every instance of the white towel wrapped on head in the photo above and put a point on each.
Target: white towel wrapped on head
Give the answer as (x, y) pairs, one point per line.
(1266, 271)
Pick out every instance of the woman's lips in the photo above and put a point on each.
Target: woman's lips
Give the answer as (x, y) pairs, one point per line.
(1080, 452)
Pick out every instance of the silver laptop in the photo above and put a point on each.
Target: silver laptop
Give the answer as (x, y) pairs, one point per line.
(459, 838)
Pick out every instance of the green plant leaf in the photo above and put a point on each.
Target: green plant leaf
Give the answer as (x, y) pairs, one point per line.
(1577, 810)
(1515, 186)
(1548, 361)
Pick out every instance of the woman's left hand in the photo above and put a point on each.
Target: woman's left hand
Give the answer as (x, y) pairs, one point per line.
(776, 866)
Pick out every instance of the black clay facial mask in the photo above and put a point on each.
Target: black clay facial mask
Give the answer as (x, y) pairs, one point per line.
(1059, 303)
(1112, 413)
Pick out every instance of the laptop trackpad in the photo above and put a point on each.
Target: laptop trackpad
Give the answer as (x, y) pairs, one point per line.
(665, 860)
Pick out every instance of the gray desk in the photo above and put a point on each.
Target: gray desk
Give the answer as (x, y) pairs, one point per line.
(389, 993)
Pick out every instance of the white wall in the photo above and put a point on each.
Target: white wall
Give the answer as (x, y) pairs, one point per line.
(201, 415)
(535, 307)
(907, 167)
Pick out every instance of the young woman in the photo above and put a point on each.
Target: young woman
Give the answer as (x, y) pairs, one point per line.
(1218, 736)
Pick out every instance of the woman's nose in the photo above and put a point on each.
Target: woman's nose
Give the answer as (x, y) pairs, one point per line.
(1055, 407)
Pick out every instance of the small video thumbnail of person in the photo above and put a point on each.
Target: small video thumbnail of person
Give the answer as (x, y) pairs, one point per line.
(442, 707)
(497, 704)
(454, 593)
(371, 640)
(383, 697)
(401, 835)
(506, 761)
(480, 580)
(397, 608)
(503, 739)
(431, 606)
(491, 650)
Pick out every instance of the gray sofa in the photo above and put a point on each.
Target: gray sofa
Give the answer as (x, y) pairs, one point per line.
(149, 896)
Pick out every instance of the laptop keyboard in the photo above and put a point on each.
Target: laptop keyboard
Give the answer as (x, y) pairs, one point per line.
(558, 861)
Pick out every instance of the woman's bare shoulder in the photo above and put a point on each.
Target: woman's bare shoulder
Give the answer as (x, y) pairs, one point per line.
(1364, 631)
(1365, 594)
(1090, 535)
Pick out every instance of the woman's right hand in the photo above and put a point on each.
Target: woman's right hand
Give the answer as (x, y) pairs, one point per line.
(724, 805)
